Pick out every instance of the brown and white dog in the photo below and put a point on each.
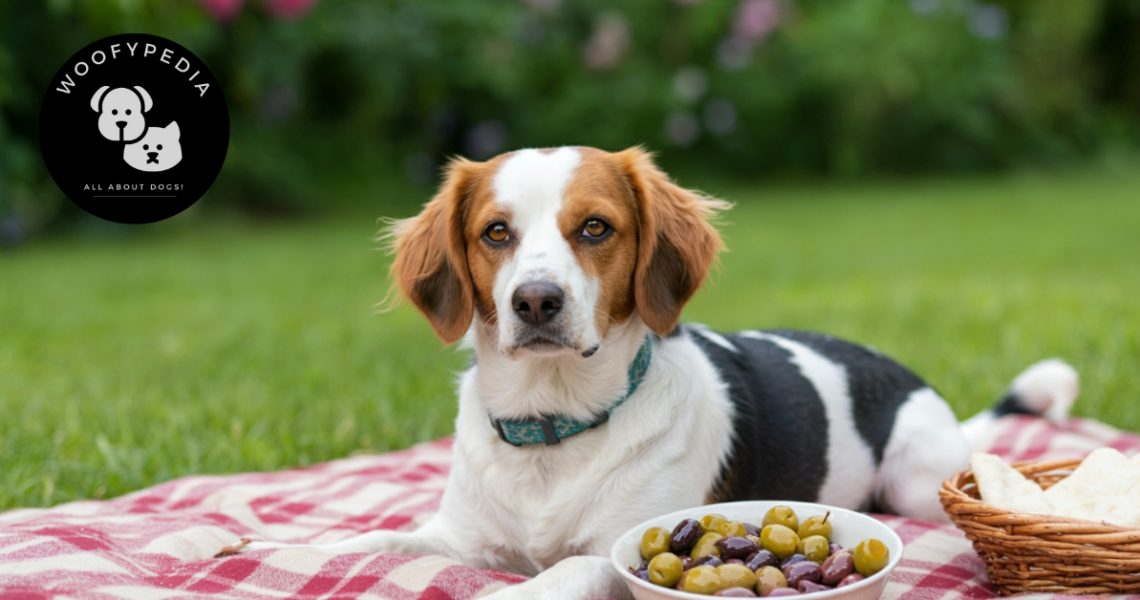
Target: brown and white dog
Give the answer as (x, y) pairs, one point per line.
(588, 409)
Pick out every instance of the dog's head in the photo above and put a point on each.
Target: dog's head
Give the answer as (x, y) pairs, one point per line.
(550, 249)
(121, 111)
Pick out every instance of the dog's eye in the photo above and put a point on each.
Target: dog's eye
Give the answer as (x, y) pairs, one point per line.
(594, 228)
(128, 111)
(159, 146)
(115, 111)
(497, 233)
(146, 147)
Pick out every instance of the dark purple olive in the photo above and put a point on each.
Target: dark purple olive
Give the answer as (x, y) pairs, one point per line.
(791, 560)
(761, 559)
(709, 560)
(642, 574)
(807, 587)
(836, 567)
(735, 547)
(804, 570)
(686, 562)
(834, 548)
(734, 561)
(736, 592)
(751, 529)
(783, 592)
(852, 578)
(685, 534)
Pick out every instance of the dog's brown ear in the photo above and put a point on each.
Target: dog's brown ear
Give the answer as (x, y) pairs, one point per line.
(676, 243)
(431, 257)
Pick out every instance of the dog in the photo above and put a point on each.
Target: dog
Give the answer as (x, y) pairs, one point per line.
(587, 409)
(158, 150)
(121, 112)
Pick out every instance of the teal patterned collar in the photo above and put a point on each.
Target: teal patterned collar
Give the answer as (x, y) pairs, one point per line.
(551, 430)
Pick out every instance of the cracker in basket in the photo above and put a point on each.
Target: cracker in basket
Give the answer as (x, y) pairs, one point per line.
(1127, 512)
(999, 483)
(1100, 489)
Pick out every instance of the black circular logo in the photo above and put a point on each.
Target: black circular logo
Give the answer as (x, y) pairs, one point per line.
(134, 128)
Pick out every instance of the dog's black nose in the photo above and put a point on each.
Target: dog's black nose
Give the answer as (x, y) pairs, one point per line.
(121, 124)
(537, 302)
(152, 157)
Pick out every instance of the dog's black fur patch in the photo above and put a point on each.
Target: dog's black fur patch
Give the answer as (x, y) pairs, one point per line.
(1012, 404)
(781, 428)
(878, 385)
(780, 450)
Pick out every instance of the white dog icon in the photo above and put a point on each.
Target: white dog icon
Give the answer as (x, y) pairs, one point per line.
(121, 112)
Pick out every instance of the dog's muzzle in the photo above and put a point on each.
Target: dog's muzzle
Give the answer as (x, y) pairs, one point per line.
(540, 326)
(152, 157)
(537, 302)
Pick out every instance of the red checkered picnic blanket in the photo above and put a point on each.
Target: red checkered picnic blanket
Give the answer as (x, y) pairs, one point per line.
(157, 543)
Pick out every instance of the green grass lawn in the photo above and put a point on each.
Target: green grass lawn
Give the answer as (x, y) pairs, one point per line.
(227, 346)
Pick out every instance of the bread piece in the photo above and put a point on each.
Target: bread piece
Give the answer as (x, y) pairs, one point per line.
(1099, 489)
(1001, 484)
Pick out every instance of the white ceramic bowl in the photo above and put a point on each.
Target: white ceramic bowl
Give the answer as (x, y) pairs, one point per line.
(848, 529)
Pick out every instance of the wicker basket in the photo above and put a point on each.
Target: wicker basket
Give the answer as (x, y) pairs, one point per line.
(1039, 553)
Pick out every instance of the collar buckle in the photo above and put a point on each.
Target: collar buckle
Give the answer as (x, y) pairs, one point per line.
(548, 430)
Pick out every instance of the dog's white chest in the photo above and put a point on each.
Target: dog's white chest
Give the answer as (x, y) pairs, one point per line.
(526, 508)
(534, 501)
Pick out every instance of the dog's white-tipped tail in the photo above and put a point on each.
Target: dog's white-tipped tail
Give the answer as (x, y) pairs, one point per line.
(1047, 388)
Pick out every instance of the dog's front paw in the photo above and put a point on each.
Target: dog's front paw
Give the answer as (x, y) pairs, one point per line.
(234, 548)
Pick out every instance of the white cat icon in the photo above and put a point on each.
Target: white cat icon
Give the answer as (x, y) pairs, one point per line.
(158, 150)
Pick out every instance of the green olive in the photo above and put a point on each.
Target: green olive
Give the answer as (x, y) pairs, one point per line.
(665, 569)
(769, 578)
(782, 515)
(816, 548)
(711, 522)
(732, 529)
(733, 575)
(654, 541)
(705, 546)
(779, 540)
(817, 525)
(702, 580)
(871, 556)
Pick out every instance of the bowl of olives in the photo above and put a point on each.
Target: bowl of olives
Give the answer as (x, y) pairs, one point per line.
(758, 549)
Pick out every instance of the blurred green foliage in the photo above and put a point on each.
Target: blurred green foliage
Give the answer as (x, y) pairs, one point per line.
(357, 93)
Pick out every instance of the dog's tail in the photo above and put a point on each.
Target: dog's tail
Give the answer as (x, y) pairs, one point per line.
(1046, 389)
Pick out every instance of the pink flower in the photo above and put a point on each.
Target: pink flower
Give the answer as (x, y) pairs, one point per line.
(288, 10)
(222, 10)
(755, 19)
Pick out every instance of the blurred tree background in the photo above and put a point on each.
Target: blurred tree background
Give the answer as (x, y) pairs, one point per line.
(331, 101)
